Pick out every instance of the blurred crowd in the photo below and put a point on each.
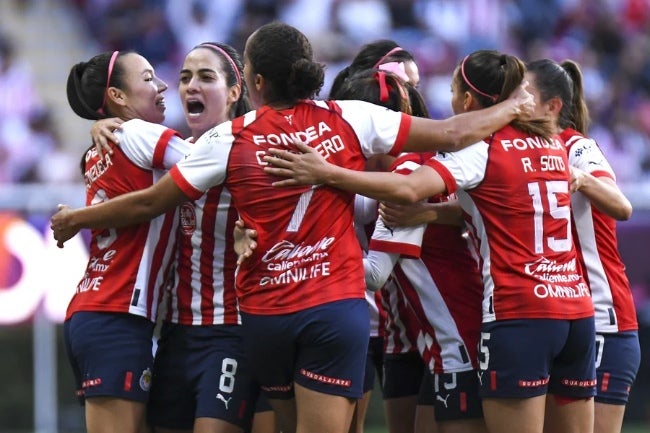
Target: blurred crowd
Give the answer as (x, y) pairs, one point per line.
(609, 38)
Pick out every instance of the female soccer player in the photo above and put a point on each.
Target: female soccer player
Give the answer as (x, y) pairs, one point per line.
(301, 294)
(201, 381)
(110, 319)
(596, 204)
(383, 54)
(537, 336)
(436, 281)
(395, 368)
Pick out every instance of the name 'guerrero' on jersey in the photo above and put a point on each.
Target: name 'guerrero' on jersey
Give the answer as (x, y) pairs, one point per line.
(307, 250)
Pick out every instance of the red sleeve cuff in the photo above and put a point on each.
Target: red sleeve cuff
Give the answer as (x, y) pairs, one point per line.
(184, 185)
(161, 146)
(602, 173)
(402, 134)
(445, 174)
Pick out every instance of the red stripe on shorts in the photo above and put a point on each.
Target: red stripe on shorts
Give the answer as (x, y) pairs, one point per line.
(242, 409)
(128, 379)
(493, 380)
(463, 402)
(605, 383)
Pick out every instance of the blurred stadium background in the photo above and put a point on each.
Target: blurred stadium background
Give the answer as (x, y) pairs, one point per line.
(41, 140)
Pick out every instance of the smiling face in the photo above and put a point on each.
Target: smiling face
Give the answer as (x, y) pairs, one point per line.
(141, 97)
(204, 91)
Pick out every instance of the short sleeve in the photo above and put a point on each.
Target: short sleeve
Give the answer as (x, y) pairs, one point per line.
(150, 145)
(587, 156)
(465, 169)
(206, 164)
(380, 130)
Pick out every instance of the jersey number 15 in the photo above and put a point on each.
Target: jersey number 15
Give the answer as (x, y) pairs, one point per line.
(553, 188)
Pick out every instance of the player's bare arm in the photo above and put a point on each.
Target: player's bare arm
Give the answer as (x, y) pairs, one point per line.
(127, 209)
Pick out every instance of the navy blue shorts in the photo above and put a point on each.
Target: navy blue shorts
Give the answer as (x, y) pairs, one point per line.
(618, 357)
(200, 371)
(374, 363)
(453, 395)
(262, 403)
(532, 357)
(110, 354)
(426, 395)
(322, 348)
(456, 396)
(403, 374)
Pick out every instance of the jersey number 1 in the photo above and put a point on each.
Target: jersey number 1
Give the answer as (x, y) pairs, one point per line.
(300, 210)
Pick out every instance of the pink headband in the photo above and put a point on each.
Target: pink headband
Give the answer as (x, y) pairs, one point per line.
(111, 64)
(493, 98)
(385, 56)
(227, 56)
(395, 68)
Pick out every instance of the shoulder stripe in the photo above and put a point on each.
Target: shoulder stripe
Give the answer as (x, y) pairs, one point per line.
(161, 146)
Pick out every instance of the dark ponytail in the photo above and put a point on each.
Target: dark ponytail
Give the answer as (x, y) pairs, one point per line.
(86, 86)
(370, 56)
(284, 57)
(553, 81)
(579, 113)
(491, 77)
(383, 88)
(340, 78)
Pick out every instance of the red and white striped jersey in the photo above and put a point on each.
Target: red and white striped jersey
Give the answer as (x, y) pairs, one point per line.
(402, 326)
(128, 266)
(203, 292)
(305, 257)
(595, 238)
(514, 190)
(439, 280)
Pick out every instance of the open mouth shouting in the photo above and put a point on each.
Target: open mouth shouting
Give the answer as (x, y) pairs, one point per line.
(194, 108)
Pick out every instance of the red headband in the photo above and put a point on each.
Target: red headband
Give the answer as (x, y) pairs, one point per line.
(383, 86)
(493, 98)
(111, 64)
(227, 56)
(385, 56)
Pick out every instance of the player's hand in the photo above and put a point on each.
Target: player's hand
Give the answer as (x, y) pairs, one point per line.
(102, 132)
(245, 241)
(408, 215)
(61, 225)
(305, 167)
(578, 178)
(524, 100)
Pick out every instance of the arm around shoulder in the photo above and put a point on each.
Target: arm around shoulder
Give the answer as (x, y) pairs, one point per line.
(603, 193)
(462, 130)
(124, 210)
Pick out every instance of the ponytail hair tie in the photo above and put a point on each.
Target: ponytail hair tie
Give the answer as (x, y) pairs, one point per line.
(380, 76)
